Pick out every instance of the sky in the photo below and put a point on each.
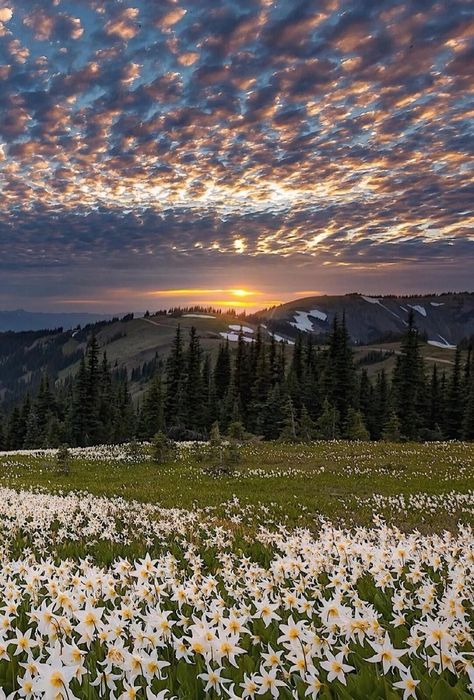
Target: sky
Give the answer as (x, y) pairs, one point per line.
(242, 152)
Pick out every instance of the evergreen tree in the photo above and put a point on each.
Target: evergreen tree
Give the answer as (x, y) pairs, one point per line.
(436, 412)
(33, 438)
(222, 371)
(106, 413)
(455, 401)
(78, 419)
(92, 396)
(340, 373)
(391, 430)
(356, 429)
(152, 411)
(3, 436)
(468, 421)
(242, 376)
(290, 427)
(382, 405)
(409, 384)
(15, 440)
(272, 415)
(327, 425)
(306, 426)
(194, 389)
(175, 381)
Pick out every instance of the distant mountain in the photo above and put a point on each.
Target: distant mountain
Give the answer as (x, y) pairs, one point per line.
(443, 319)
(21, 320)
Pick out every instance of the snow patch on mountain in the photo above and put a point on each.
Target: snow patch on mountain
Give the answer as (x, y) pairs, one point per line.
(197, 316)
(416, 307)
(280, 338)
(439, 344)
(234, 337)
(437, 303)
(318, 314)
(237, 327)
(303, 321)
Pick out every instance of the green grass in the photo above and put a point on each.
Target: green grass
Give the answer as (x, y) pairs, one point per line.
(338, 480)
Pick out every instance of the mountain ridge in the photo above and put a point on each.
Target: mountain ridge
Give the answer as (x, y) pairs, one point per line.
(444, 319)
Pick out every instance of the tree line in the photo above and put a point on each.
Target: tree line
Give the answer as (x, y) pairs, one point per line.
(258, 388)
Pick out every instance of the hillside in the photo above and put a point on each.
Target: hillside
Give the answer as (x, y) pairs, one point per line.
(132, 344)
(444, 320)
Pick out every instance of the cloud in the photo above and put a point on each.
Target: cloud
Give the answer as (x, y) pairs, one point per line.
(332, 133)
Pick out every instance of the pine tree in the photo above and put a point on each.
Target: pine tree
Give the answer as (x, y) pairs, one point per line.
(15, 439)
(106, 411)
(194, 389)
(272, 415)
(92, 396)
(327, 425)
(45, 409)
(175, 381)
(356, 429)
(290, 427)
(391, 430)
(3, 436)
(222, 371)
(436, 412)
(33, 438)
(468, 421)
(409, 384)
(78, 418)
(382, 405)
(340, 373)
(455, 401)
(152, 411)
(23, 419)
(306, 426)
(366, 399)
(242, 377)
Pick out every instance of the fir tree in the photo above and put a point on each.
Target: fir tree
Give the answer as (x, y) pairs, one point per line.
(468, 421)
(290, 427)
(92, 396)
(391, 430)
(306, 426)
(409, 384)
(436, 412)
(175, 380)
(194, 389)
(455, 401)
(382, 405)
(327, 425)
(152, 410)
(222, 371)
(356, 429)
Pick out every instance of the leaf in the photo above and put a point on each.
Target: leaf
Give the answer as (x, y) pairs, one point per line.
(443, 691)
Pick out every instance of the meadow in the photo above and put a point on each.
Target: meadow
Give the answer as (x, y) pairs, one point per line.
(328, 570)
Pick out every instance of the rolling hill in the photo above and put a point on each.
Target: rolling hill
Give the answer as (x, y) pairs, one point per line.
(444, 320)
(375, 325)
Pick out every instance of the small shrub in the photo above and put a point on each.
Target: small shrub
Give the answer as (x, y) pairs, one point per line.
(224, 460)
(134, 452)
(162, 449)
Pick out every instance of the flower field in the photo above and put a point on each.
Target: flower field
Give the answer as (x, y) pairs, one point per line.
(107, 596)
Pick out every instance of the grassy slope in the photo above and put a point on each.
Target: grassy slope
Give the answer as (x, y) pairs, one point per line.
(297, 482)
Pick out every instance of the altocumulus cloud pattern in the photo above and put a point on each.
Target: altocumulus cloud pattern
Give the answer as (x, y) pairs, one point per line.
(340, 130)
